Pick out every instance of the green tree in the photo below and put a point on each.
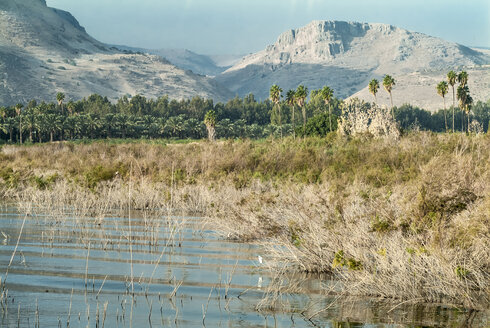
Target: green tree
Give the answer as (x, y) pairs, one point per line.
(442, 89)
(275, 96)
(327, 95)
(210, 122)
(291, 101)
(388, 83)
(465, 101)
(451, 79)
(60, 96)
(373, 88)
(463, 78)
(18, 110)
(300, 96)
(31, 122)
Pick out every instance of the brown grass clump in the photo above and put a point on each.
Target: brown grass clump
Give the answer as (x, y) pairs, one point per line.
(406, 219)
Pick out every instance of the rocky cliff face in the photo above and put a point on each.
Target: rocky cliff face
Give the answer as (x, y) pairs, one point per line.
(44, 51)
(346, 55)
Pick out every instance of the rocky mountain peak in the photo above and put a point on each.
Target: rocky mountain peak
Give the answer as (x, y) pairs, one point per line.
(346, 55)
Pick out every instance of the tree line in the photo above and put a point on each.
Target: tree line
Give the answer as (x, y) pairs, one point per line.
(96, 117)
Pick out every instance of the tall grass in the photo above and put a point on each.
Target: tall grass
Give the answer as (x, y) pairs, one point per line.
(406, 219)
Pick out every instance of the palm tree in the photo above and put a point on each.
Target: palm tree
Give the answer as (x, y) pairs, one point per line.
(451, 79)
(18, 110)
(388, 83)
(93, 123)
(290, 100)
(442, 88)
(468, 105)
(373, 88)
(10, 123)
(463, 78)
(300, 96)
(463, 94)
(210, 121)
(60, 97)
(463, 81)
(31, 122)
(327, 95)
(275, 96)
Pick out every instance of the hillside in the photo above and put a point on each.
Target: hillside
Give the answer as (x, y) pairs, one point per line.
(189, 60)
(346, 55)
(44, 51)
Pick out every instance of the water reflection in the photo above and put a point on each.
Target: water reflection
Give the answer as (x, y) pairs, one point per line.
(158, 272)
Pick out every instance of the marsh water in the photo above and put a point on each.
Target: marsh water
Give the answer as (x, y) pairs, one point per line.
(137, 271)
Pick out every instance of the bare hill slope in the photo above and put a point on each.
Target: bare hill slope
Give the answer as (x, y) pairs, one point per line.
(44, 51)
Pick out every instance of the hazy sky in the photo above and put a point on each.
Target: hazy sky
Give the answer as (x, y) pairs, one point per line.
(244, 26)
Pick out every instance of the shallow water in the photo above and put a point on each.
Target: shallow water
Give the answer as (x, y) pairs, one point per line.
(81, 272)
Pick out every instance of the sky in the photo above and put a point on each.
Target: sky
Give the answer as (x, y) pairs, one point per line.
(245, 26)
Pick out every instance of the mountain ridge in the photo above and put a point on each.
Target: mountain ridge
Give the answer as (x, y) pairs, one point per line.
(45, 50)
(346, 55)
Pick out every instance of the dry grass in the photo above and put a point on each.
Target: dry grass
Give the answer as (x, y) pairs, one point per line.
(407, 220)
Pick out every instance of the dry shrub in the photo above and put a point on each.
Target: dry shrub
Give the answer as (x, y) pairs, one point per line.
(359, 117)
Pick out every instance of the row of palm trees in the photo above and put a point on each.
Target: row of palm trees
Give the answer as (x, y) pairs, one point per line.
(298, 97)
(463, 95)
(388, 83)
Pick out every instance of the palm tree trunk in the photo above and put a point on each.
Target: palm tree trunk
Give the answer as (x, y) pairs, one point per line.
(392, 110)
(30, 134)
(20, 129)
(294, 130)
(445, 118)
(50, 136)
(453, 108)
(330, 115)
(303, 110)
(11, 131)
(280, 123)
(462, 121)
(468, 114)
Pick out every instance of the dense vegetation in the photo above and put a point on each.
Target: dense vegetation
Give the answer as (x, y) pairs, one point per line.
(137, 117)
(405, 218)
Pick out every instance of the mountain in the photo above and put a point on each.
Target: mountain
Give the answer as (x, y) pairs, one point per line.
(44, 51)
(189, 60)
(347, 55)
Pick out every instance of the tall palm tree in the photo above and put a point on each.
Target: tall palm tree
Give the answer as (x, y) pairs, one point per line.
(275, 96)
(327, 95)
(10, 123)
(388, 83)
(290, 100)
(468, 105)
(463, 81)
(373, 88)
(451, 79)
(463, 94)
(442, 89)
(60, 96)
(210, 122)
(300, 96)
(18, 110)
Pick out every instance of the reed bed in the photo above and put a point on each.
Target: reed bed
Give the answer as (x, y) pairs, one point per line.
(406, 220)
